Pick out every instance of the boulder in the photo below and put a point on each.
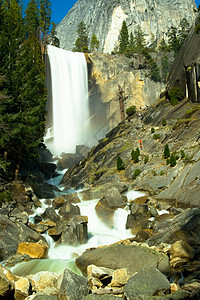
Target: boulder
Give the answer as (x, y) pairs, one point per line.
(147, 282)
(72, 198)
(12, 234)
(40, 296)
(76, 233)
(58, 202)
(185, 227)
(119, 256)
(112, 199)
(50, 213)
(68, 210)
(22, 288)
(101, 297)
(43, 280)
(6, 285)
(34, 250)
(72, 286)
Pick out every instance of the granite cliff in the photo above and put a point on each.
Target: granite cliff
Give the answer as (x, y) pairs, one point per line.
(104, 18)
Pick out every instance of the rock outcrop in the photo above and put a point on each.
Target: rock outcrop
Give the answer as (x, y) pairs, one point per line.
(104, 18)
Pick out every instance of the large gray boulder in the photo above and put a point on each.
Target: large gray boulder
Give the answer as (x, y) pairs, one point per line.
(119, 256)
(72, 286)
(146, 282)
(12, 234)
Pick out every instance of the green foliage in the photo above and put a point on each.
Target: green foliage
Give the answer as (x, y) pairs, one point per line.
(166, 151)
(152, 130)
(140, 43)
(94, 44)
(156, 136)
(172, 160)
(136, 173)
(5, 196)
(154, 72)
(135, 155)
(22, 109)
(131, 110)
(81, 44)
(163, 47)
(182, 154)
(175, 95)
(146, 159)
(120, 164)
(165, 66)
(32, 18)
(54, 39)
(123, 38)
(197, 27)
(45, 15)
(164, 122)
(178, 36)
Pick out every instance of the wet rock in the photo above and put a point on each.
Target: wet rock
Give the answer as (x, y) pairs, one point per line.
(18, 216)
(68, 210)
(72, 286)
(101, 297)
(72, 198)
(147, 282)
(50, 213)
(48, 169)
(76, 232)
(22, 288)
(41, 296)
(112, 200)
(58, 202)
(34, 250)
(119, 256)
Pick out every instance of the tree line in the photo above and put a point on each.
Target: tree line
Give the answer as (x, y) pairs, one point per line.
(22, 82)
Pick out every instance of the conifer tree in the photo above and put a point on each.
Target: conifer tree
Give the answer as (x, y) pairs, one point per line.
(32, 18)
(132, 44)
(123, 38)
(94, 45)
(173, 40)
(45, 15)
(140, 42)
(54, 39)
(166, 151)
(81, 44)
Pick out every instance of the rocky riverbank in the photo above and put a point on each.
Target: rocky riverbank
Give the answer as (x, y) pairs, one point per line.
(162, 261)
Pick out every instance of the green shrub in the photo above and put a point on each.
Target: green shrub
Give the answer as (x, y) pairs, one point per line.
(5, 196)
(175, 95)
(146, 159)
(120, 164)
(152, 130)
(197, 28)
(162, 173)
(135, 156)
(172, 160)
(166, 151)
(138, 151)
(136, 173)
(130, 110)
(164, 122)
(182, 154)
(156, 136)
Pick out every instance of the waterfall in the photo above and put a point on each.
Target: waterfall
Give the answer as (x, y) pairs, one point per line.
(70, 105)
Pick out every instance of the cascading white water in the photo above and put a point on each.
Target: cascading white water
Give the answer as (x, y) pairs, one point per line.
(70, 106)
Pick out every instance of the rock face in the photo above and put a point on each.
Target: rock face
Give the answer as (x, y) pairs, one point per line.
(106, 73)
(185, 70)
(104, 18)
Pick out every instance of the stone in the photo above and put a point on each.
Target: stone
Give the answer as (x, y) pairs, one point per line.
(72, 198)
(76, 233)
(68, 210)
(5, 284)
(119, 277)
(22, 288)
(58, 202)
(147, 282)
(181, 249)
(51, 214)
(43, 280)
(101, 297)
(120, 256)
(34, 250)
(72, 286)
(112, 200)
(40, 296)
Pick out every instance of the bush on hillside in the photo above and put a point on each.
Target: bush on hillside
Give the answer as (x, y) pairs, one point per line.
(136, 173)
(135, 155)
(166, 151)
(120, 164)
(130, 110)
(175, 95)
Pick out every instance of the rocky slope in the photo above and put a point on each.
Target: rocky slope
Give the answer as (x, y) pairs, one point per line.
(104, 18)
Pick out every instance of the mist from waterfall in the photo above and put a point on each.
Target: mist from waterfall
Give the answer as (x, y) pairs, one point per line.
(70, 106)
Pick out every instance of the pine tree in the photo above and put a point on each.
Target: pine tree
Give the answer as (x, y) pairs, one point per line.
(140, 42)
(166, 151)
(45, 15)
(183, 31)
(32, 18)
(174, 42)
(163, 47)
(94, 44)
(54, 39)
(132, 44)
(123, 38)
(120, 164)
(81, 44)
